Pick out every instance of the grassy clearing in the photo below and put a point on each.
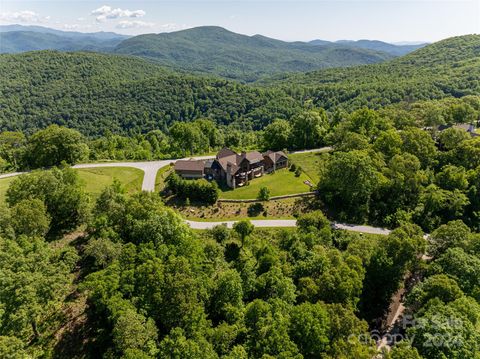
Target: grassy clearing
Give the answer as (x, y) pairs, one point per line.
(96, 179)
(310, 162)
(4, 183)
(162, 174)
(280, 183)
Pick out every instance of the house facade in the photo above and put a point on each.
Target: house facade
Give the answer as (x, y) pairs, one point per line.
(234, 169)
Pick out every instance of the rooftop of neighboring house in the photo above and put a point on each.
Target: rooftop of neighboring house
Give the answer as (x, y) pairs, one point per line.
(468, 127)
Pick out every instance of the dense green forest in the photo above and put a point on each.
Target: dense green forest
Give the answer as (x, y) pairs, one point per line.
(97, 93)
(447, 68)
(138, 283)
(122, 275)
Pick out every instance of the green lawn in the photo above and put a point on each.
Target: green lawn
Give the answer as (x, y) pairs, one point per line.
(96, 179)
(4, 183)
(162, 174)
(280, 183)
(310, 163)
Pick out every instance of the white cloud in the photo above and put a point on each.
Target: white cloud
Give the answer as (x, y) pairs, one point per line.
(107, 12)
(25, 16)
(130, 24)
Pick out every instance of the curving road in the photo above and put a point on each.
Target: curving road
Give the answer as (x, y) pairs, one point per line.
(271, 223)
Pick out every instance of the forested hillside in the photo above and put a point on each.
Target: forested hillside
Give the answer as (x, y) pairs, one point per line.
(221, 52)
(447, 68)
(96, 93)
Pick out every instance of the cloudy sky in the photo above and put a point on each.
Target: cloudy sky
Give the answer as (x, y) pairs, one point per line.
(388, 20)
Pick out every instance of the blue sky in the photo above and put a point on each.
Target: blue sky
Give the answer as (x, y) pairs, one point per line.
(388, 20)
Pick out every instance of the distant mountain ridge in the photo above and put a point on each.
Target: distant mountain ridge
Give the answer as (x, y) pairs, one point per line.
(215, 50)
(206, 50)
(101, 35)
(392, 49)
(19, 38)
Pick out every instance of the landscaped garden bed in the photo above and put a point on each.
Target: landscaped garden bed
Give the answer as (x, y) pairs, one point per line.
(278, 209)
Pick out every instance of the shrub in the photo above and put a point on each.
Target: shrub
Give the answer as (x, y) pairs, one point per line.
(197, 190)
(298, 171)
(263, 194)
(293, 167)
(255, 209)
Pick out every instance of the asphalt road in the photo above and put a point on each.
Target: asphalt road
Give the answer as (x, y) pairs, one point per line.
(271, 223)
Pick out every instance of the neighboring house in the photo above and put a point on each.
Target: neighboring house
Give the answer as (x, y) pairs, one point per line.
(470, 128)
(190, 168)
(232, 168)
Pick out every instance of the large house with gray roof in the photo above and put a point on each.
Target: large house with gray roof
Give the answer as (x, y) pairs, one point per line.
(234, 169)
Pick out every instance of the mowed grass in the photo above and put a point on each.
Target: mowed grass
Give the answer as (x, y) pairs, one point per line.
(310, 163)
(280, 183)
(162, 174)
(96, 179)
(4, 183)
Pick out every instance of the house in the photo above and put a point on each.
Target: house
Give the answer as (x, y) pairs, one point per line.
(190, 169)
(469, 128)
(238, 169)
(274, 161)
(232, 168)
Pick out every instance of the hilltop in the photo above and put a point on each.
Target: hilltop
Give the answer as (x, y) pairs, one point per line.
(215, 50)
(208, 50)
(392, 49)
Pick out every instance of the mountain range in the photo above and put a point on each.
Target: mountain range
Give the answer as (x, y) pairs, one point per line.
(19, 38)
(208, 49)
